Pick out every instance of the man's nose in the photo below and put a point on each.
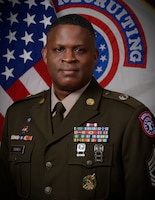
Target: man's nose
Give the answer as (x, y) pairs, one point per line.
(69, 56)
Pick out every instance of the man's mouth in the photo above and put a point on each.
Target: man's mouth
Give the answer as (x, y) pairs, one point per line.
(69, 71)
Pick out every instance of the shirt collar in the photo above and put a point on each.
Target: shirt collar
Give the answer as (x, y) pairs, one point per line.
(68, 101)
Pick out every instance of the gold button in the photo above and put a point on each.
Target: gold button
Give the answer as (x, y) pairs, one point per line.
(90, 101)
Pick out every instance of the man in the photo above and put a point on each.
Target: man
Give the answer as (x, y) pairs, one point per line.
(104, 148)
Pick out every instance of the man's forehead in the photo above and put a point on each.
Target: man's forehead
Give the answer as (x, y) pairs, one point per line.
(71, 29)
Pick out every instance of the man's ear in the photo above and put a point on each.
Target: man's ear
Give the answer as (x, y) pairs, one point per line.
(44, 54)
(96, 54)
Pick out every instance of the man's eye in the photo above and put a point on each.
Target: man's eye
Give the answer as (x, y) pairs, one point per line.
(59, 49)
(79, 50)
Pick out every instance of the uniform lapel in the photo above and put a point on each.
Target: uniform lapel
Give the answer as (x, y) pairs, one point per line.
(41, 115)
(84, 110)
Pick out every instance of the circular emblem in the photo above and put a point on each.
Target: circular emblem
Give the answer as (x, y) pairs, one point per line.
(111, 35)
(149, 126)
(90, 102)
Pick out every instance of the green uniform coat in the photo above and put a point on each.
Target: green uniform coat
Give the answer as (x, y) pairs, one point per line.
(51, 166)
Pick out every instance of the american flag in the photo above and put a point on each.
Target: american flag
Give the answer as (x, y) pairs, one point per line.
(23, 28)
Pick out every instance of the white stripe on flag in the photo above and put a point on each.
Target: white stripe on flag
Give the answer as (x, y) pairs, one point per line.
(33, 81)
(5, 101)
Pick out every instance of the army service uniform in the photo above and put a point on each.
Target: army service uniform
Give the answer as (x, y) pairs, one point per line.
(103, 149)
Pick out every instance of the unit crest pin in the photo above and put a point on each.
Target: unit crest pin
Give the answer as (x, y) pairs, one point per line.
(89, 182)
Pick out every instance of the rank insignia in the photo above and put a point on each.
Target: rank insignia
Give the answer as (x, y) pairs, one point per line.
(91, 133)
(147, 123)
(151, 166)
(89, 182)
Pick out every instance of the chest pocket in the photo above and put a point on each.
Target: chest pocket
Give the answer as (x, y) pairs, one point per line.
(20, 164)
(90, 161)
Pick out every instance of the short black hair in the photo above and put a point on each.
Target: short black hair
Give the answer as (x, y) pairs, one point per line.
(73, 19)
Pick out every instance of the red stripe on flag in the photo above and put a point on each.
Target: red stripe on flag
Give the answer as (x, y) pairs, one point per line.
(41, 68)
(17, 91)
(1, 125)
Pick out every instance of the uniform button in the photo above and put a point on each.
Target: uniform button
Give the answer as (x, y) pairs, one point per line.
(48, 190)
(48, 165)
(89, 162)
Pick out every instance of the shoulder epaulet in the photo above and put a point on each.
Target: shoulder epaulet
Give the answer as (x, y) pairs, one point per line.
(33, 96)
(124, 98)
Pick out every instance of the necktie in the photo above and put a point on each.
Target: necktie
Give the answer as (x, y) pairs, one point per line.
(58, 117)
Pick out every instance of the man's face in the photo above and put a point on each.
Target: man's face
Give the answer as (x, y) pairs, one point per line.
(70, 55)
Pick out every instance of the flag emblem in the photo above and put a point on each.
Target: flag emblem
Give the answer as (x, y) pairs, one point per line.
(23, 28)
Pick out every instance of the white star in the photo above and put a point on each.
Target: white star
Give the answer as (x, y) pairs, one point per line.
(46, 21)
(103, 58)
(95, 34)
(43, 39)
(9, 55)
(12, 18)
(31, 3)
(99, 69)
(46, 3)
(8, 73)
(29, 20)
(11, 36)
(27, 38)
(102, 47)
(26, 55)
(14, 2)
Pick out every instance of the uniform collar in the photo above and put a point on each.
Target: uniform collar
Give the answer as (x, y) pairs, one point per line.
(69, 101)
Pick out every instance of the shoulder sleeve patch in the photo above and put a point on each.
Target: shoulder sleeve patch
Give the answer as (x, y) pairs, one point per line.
(147, 123)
